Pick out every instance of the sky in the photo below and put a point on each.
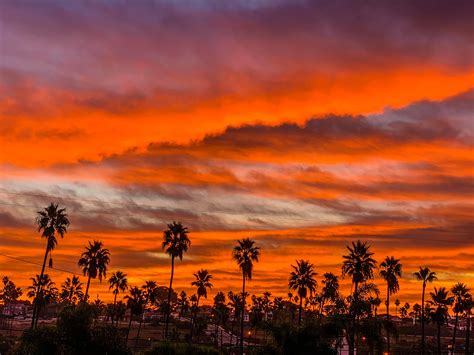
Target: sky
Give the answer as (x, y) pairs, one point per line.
(304, 125)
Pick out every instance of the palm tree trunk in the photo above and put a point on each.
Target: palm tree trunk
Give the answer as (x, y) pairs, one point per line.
(300, 312)
(468, 330)
(129, 327)
(39, 290)
(168, 306)
(194, 319)
(138, 332)
(115, 310)
(352, 333)
(86, 296)
(242, 316)
(454, 333)
(388, 319)
(423, 320)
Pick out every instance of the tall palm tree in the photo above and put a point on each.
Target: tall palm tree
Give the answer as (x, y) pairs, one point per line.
(460, 291)
(71, 290)
(440, 299)
(360, 265)
(203, 283)
(390, 270)
(94, 263)
(302, 281)
(426, 276)
(175, 243)
(51, 221)
(118, 283)
(47, 295)
(245, 253)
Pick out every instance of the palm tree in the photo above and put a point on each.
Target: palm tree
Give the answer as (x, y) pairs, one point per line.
(51, 221)
(202, 282)
(118, 283)
(397, 304)
(175, 242)
(135, 302)
(425, 275)
(245, 254)
(47, 295)
(94, 263)
(440, 299)
(71, 290)
(302, 280)
(235, 302)
(360, 265)
(183, 303)
(150, 292)
(460, 291)
(330, 290)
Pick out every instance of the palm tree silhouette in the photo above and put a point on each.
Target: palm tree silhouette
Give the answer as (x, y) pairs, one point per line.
(460, 292)
(118, 283)
(425, 275)
(94, 263)
(302, 280)
(135, 302)
(360, 265)
(71, 290)
(202, 282)
(235, 302)
(245, 254)
(440, 299)
(51, 221)
(330, 290)
(47, 295)
(175, 243)
(390, 270)
(150, 292)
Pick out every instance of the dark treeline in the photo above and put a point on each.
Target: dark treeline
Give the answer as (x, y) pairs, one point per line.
(314, 318)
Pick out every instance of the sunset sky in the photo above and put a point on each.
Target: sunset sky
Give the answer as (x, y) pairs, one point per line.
(304, 125)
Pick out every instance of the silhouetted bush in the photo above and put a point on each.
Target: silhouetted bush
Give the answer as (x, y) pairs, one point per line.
(168, 348)
(74, 334)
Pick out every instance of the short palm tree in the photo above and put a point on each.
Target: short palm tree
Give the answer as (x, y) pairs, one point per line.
(94, 263)
(390, 270)
(245, 253)
(51, 221)
(426, 276)
(71, 290)
(441, 300)
(460, 291)
(175, 243)
(360, 265)
(135, 302)
(330, 291)
(47, 295)
(150, 292)
(203, 283)
(117, 283)
(302, 280)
